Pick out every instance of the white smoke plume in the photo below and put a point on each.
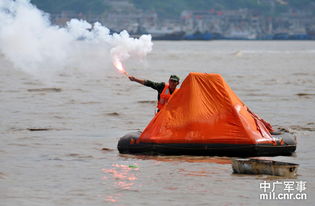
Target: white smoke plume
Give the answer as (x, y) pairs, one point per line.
(33, 44)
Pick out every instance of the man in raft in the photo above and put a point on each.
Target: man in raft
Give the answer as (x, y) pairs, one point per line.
(164, 90)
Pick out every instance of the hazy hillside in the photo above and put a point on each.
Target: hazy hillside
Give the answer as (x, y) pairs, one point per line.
(172, 8)
(83, 6)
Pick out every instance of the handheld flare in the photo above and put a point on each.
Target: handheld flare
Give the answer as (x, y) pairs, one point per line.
(117, 63)
(125, 73)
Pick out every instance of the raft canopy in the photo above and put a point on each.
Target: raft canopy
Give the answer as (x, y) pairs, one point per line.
(205, 110)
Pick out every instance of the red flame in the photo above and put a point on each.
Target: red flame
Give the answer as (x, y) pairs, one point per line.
(118, 65)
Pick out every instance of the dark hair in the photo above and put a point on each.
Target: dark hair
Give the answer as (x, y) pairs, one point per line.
(174, 78)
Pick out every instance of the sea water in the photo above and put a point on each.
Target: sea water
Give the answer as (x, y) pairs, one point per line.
(59, 137)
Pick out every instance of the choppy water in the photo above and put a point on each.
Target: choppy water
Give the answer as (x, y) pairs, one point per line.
(58, 140)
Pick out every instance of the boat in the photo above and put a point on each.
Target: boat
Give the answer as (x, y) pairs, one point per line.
(240, 35)
(131, 143)
(166, 33)
(268, 167)
(205, 117)
(176, 35)
(299, 36)
(281, 36)
(310, 31)
(198, 36)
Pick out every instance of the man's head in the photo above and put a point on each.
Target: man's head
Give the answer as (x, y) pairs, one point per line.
(173, 82)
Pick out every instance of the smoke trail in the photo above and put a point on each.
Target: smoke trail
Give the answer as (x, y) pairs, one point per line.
(33, 44)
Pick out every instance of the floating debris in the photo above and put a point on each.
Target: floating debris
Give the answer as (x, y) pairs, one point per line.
(133, 166)
(112, 114)
(45, 90)
(38, 129)
(304, 94)
(106, 149)
(45, 129)
(268, 167)
(147, 102)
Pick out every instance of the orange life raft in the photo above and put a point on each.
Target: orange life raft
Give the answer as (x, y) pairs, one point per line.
(205, 117)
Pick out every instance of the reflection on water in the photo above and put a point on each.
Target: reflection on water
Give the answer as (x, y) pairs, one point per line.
(123, 177)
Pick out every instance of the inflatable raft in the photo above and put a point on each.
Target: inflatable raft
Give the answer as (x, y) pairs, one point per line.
(205, 117)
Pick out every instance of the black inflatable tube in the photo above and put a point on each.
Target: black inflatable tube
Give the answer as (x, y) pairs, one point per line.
(285, 146)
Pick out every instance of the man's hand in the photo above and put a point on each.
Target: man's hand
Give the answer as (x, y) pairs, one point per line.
(132, 78)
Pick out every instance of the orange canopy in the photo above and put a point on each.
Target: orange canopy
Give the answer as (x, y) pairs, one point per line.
(205, 110)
